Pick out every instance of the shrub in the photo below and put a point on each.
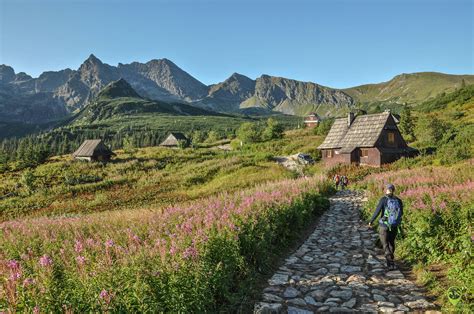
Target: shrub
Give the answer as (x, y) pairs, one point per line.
(273, 130)
(458, 147)
(28, 181)
(324, 127)
(430, 131)
(249, 133)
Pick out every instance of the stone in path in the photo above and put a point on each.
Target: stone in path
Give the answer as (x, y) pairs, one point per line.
(339, 269)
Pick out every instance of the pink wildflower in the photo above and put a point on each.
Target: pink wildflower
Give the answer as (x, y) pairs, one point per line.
(15, 269)
(45, 261)
(28, 282)
(13, 264)
(109, 243)
(106, 296)
(78, 247)
(172, 250)
(190, 252)
(36, 310)
(103, 294)
(81, 260)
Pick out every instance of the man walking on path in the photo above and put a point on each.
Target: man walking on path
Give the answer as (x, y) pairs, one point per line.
(337, 180)
(391, 209)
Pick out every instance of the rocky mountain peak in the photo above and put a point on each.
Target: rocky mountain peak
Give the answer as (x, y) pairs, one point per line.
(22, 76)
(238, 77)
(93, 59)
(7, 74)
(117, 89)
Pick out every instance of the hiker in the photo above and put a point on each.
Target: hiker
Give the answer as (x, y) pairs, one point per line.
(344, 182)
(390, 209)
(337, 180)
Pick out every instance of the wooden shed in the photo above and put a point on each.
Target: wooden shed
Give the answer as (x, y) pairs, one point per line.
(174, 139)
(372, 139)
(93, 150)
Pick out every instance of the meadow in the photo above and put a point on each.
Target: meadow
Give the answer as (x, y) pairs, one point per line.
(146, 177)
(200, 256)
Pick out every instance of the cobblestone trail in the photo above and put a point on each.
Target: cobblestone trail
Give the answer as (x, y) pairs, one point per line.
(340, 269)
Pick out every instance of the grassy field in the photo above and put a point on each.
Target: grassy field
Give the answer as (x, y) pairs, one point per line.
(146, 177)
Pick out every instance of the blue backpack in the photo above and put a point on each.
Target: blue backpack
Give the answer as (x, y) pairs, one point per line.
(393, 213)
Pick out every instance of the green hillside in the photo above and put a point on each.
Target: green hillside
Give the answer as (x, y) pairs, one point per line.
(152, 176)
(409, 88)
(119, 99)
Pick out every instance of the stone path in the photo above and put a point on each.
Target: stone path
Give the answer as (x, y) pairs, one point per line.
(339, 269)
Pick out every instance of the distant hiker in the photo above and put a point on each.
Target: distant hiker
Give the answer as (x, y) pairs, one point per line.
(344, 182)
(337, 180)
(391, 209)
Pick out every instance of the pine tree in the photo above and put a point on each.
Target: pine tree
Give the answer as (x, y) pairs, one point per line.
(407, 125)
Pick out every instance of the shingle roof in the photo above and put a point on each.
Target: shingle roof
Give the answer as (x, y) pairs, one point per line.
(363, 132)
(173, 138)
(179, 136)
(92, 148)
(337, 132)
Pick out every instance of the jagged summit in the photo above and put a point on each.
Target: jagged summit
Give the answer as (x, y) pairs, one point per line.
(7, 73)
(117, 89)
(92, 58)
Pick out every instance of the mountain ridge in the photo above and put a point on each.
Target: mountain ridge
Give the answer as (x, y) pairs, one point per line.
(61, 93)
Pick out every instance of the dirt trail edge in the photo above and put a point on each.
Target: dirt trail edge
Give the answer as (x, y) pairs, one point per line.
(339, 269)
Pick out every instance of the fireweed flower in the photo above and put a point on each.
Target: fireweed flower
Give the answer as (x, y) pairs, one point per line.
(15, 269)
(81, 260)
(13, 264)
(78, 247)
(109, 243)
(45, 261)
(190, 252)
(105, 296)
(28, 282)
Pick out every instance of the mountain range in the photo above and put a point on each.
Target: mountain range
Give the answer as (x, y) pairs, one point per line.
(118, 99)
(58, 94)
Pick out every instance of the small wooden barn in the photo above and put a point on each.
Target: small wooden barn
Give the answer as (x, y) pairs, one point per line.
(174, 139)
(93, 150)
(312, 120)
(372, 139)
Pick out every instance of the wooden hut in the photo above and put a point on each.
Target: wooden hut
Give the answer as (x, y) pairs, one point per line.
(312, 120)
(372, 139)
(174, 139)
(93, 150)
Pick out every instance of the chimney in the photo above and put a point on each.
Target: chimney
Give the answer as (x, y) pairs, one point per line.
(350, 119)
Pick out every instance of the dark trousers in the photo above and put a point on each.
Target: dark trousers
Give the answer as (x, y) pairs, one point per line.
(387, 237)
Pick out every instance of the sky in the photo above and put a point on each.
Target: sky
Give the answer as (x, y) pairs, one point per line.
(337, 43)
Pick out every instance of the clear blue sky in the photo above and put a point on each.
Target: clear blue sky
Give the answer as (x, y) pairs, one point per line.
(335, 43)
